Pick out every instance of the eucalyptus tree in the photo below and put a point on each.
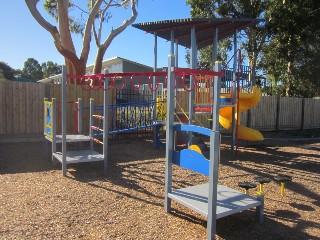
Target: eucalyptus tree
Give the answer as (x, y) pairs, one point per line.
(32, 70)
(86, 18)
(291, 59)
(6, 72)
(253, 38)
(50, 68)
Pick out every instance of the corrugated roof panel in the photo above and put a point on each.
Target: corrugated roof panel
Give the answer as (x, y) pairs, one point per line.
(205, 28)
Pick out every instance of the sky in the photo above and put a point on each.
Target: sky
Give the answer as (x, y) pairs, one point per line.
(21, 37)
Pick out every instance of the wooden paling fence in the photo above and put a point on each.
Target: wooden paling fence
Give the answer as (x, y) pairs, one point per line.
(283, 113)
(75, 92)
(271, 114)
(21, 109)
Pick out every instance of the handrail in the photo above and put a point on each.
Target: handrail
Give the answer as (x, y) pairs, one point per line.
(192, 128)
(226, 65)
(95, 81)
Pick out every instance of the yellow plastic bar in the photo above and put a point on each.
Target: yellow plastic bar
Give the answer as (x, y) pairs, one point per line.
(261, 188)
(282, 189)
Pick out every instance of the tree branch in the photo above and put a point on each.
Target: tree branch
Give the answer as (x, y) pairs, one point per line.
(87, 31)
(98, 36)
(83, 11)
(123, 26)
(64, 27)
(32, 6)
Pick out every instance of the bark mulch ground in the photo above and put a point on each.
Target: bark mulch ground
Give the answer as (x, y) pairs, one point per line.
(37, 202)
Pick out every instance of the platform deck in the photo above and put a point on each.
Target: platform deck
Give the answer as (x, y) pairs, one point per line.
(80, 156)
(71, 138)
(229, 201)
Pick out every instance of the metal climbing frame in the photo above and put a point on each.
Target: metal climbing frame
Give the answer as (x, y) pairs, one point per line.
(67, 157)
(104, 82)
(126, 119)
(211, 199)
(51, 122)
(206, 199)
(50, 126)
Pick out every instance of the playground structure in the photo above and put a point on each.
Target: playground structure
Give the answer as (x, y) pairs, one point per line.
(113, 118)
(51, 115)
(50, 129)
(125, 117)
(235, 98)
(122, 118)
(244, 102)
(211, 199)
(50, 126)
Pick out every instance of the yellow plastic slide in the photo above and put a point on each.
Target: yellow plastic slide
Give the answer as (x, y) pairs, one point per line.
(246, 101)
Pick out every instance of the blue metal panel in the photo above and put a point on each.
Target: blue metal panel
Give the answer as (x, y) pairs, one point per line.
(158, 125)
(192, 128)
(192, 160)
(225, 100)
(48, 131)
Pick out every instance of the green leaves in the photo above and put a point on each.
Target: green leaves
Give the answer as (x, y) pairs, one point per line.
(32, 69)
(76, 25)
(253, 37)
(50, 68)
(286, 46)
(291, 57)
(6, 72)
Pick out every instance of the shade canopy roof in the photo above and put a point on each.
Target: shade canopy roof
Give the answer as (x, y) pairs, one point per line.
(205, 29)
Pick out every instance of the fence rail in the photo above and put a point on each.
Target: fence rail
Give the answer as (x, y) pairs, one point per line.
(21, 109)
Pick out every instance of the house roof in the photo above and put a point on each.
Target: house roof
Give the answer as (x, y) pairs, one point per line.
(107, 62)
(115, 60)
(205, 28)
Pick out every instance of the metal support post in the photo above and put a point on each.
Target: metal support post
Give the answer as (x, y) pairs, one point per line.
(154, 93)
(91, 111)
(214, 158)
(79, 116)
(214, 59)
(193, 65)
(54, 127)
(64, 119)
(176, 64)
(169, 133)
(176, 54)
(234, 92)
(260, 209)
(215, 48)
(105, 125)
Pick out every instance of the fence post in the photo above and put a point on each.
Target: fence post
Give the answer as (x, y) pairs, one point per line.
(302, 113)
(47, 91)
(249, 118)
(277, 113)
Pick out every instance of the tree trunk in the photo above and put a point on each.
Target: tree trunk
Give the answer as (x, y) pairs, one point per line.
(289, 75)
(254, 66)
(78, 68)
(98, 61)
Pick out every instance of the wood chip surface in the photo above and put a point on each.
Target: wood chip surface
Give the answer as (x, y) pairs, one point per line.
(37, 202)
